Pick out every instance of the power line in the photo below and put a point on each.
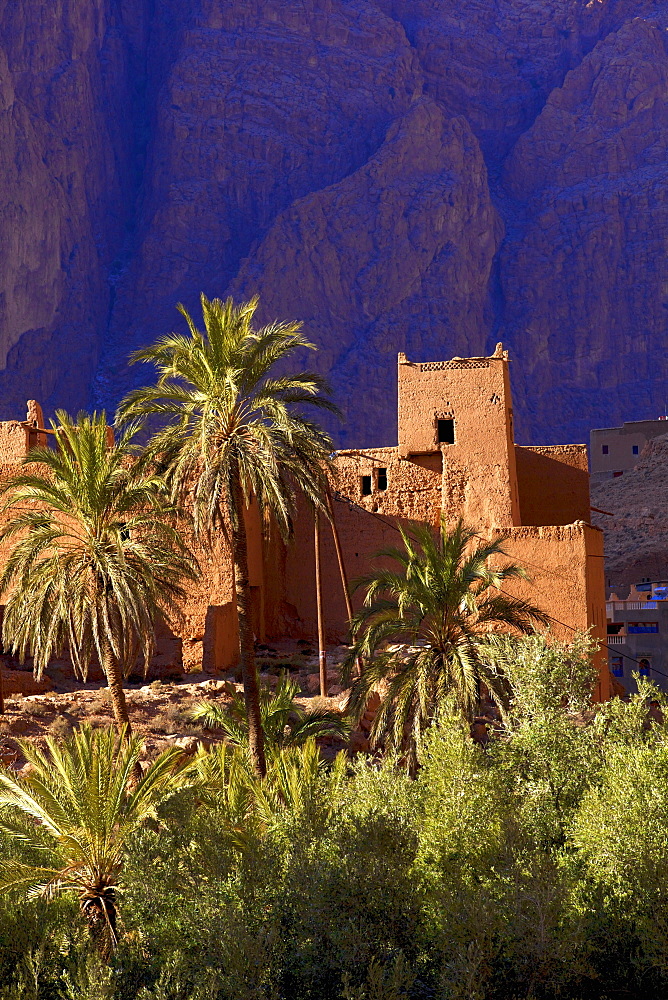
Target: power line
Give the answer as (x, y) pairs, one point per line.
(342, 498)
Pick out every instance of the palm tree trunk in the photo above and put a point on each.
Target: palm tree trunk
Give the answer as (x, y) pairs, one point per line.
(101, 916)
(322, 652)
(342, 566)
(339, 555)
(114, 677)
(246, 643)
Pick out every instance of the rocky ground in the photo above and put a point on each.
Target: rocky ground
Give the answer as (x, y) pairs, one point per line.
(159, 710)
(636, 525)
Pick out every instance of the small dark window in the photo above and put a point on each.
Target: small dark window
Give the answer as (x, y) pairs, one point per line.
(635, 449)
(644, 668)
(604, 449)
(446, 432)
(382, 479)
(366, 486)
(617, 666)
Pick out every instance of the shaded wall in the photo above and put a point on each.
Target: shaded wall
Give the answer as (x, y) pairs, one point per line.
(565, 566)
(366, 523)
(553, 484)
(208, 625)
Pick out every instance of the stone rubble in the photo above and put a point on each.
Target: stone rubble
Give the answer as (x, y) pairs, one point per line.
(159, 710)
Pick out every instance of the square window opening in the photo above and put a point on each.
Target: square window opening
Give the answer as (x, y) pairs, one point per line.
(635, 449)
(366, 486)
(617, 666)
(644, 667)
(382, 479)
(446, 432)
(604, 449)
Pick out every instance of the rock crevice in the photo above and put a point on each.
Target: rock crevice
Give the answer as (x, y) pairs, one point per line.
(399, 174)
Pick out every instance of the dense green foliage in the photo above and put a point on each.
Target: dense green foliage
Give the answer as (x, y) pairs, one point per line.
(533, 868)
(76, 810)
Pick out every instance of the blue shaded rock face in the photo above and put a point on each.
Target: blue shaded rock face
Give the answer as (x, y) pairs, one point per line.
(423, 176)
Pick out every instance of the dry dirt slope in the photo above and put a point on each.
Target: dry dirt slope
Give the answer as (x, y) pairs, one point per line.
(160, 711)
(636, 536)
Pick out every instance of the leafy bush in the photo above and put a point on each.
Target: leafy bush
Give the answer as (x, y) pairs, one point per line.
(546, 677)
(533, 868)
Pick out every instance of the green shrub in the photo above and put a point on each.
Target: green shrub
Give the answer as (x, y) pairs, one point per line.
(620, 837)
(533, 869)
(546, 677)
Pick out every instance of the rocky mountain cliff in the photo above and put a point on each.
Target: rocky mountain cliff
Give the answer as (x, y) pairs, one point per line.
(415, 175)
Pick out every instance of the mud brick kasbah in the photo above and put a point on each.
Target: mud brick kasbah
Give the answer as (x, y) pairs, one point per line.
(456, 453)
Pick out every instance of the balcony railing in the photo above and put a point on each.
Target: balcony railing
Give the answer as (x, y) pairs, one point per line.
(630, 606)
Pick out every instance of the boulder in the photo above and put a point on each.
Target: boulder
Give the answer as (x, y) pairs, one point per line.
(359, 743)
(22, 682)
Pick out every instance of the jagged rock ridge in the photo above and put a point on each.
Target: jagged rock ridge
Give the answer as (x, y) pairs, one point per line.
(401, 174)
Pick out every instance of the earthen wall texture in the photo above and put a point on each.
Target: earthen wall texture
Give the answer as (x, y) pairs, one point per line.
(413, 485)
(553, 484)
(479, 477)
(365, 524)
(208, 623)
(361, 535)
(13, 442)
(564, 563)
(565, 567)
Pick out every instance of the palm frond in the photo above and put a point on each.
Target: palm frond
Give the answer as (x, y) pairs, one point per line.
(83, 802)
(284, 722)
(96, 555)
(422, 627)
(221, 408)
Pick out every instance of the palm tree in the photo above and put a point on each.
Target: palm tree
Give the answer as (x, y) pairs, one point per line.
(78, 807)
(421, 630)
(245, 806)
(233, 432)
(95, 557)
(284, 721)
